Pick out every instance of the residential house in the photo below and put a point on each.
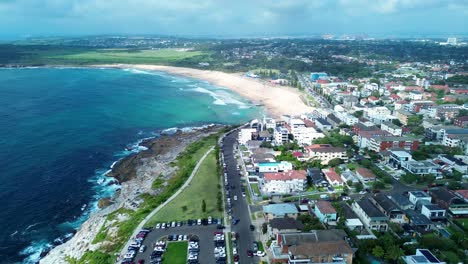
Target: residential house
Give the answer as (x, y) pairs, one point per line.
(421, 168)
(288, 182)
(403, 116)
(422, 256)
(284, 225)
(325, 212)
(274, 166)
(333, 120)
(332, 177)
(416, 196)
(455, 163)
(272, 211)
(365, 175)
(348, 175)
(462, 194)
(419, 221)
(389, 208)
(317, 246)
(370, 215)
(398, 158)
(325, 153)
(433, 212)
(316, 177)
(352, 220)
(455, 206)
(401, 201)
(322, 124)
(303, 134)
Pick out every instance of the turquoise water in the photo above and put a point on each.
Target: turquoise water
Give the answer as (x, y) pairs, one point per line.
(61, 129)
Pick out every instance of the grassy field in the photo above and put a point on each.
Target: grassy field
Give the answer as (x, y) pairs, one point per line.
(161, 56)
(188, 204)
(255, 188)
(176, 253)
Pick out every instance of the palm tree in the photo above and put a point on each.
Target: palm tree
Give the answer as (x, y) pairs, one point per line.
(393, 253)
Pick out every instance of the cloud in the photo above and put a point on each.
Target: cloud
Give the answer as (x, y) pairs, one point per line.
(192, 17)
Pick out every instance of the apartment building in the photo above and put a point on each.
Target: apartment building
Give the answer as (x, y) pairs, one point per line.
(285, 182)
(325, 153)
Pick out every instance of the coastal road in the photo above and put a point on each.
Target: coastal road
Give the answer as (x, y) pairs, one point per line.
(142, 223)
(240, 207)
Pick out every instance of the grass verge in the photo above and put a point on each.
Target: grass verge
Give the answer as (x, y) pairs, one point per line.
(188, 204)
(255, 188)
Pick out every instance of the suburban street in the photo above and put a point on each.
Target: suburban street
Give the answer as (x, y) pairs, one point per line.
(240, 208)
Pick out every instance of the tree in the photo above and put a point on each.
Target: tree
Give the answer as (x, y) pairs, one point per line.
(335, 162)
(462, 112)
(184, 208)
(415, 120)
(378, 252)
(203, 206)
(366, 163)
(358, 186)
(397, 122)
(393, 253)
(264, 228)
(358, 114)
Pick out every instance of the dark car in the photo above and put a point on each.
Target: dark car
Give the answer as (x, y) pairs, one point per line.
(249, 253)
(141, 261)
(252, 227)
(235, 221)
(236, 257)
(220, 227)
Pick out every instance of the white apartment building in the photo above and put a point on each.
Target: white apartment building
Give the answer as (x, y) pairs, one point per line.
(325, 153)
(285, 182)
(245, 135)
(304, 135)
(280, 135)
(347, 118)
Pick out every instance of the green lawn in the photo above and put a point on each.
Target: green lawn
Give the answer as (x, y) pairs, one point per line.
(176, 253)
(255, 188)
(126, 56)
(463, 223)
(188, 204)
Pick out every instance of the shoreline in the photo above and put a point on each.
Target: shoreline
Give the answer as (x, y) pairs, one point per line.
(275, 99)
(160, 152)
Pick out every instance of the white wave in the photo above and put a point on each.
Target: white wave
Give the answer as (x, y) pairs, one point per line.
(136, 71)
(14, 233)
(33, 252)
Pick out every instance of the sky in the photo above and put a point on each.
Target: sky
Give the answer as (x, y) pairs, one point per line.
(233, 18)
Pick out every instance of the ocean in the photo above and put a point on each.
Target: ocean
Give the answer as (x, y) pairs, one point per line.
(62, 128)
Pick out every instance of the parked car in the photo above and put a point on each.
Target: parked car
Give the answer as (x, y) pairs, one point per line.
(255, 246)
(249, 253)
(260, 253)
(142, 248)
(252, 227)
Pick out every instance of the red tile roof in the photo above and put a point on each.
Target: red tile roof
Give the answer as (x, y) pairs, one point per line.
(331, 175)
(365, 173)
(373, 98)
(463, 193)
(286, 176)
(325, 207)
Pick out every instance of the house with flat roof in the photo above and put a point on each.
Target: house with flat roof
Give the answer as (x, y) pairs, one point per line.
(288, 182)
(322, 124)
(370, 215)
(433, 212)
(325, 153)
(274, 166)
(421, 168)
(325, 212)
(416, 196)
(284, 225)
(422, 256)
(455, 206)
(398, 158)
(317, 246)
(281, 210)
(419, 221)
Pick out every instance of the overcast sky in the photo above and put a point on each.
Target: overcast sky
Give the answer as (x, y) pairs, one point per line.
(21, 18)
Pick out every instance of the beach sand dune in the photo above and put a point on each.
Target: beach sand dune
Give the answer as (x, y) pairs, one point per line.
(277, 100)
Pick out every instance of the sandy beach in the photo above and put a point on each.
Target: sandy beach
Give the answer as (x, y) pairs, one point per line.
(277, 100)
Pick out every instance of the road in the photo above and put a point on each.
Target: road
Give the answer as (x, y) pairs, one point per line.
(240, 208)
(308, 86)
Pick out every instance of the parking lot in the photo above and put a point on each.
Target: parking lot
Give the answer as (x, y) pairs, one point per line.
(204, 234)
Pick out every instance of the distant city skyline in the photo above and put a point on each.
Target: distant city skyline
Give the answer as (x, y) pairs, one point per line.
(241, 18)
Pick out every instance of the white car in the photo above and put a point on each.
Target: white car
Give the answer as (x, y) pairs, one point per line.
(362, 192)
(158, 226)
(235, 197)
(260, 253)
(346, 198)
(234, 251)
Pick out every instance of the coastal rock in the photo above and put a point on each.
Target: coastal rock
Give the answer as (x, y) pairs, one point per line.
(104, 202)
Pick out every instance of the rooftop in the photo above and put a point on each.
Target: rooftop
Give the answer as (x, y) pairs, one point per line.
(365, 173)
(286, 176)
(370, 209)
(280, 209)
(401, 153)
(325, 207)
(419, 194)
(286, 223)
(332, 175)
(317, 242)
(433, 207)
(400, 200)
